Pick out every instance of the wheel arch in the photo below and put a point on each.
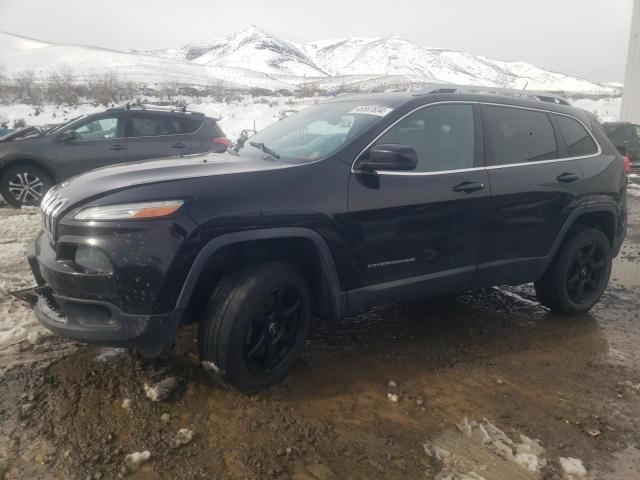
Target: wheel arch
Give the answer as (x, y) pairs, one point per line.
(602, 216)
(9, 163)
(302, 246)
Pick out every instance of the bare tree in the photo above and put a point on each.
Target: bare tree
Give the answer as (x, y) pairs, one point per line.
(106, 89)
(27, 87)
(130, 90)
(215, 89)
(169, 90)
(61, 88)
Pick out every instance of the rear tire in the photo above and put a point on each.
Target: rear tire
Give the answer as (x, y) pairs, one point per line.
(579, 273)
(25, 185)
(255, 325)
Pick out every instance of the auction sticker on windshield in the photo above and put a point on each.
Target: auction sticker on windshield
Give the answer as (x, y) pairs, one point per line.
(372, 110)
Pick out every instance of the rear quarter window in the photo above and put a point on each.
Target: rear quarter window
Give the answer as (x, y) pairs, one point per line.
(190, 125)
(517, 135)
(579, 142)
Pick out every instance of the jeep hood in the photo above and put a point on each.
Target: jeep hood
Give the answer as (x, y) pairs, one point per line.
(110, 179)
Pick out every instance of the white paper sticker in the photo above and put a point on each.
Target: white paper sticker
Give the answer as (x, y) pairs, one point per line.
(376, 110)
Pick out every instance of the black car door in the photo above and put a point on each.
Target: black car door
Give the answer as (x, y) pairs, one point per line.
(417, 232)
(155, 135)
(96, 142)
(535, 185)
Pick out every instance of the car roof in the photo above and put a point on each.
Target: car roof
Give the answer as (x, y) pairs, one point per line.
(401, 98)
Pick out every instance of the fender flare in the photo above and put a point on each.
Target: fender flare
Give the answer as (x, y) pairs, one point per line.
(570, 222)
(329, 271)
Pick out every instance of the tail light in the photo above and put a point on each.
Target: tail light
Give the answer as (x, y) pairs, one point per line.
(221, 141)
(627, 164)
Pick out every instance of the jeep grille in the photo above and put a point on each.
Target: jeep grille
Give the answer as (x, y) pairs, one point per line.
(51, 205)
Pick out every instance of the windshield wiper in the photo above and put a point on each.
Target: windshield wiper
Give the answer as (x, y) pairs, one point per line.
(265, 149)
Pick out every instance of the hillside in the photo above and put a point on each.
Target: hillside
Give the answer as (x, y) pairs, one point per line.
(255, 58)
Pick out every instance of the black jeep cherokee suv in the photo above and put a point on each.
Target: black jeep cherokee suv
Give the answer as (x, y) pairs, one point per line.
(359, 201)
(33, 159)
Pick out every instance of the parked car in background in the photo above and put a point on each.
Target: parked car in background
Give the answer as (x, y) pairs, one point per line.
(360, 201)
(34, 159)
(626, 138)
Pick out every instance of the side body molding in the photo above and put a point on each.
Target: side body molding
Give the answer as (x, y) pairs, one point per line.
(338, 297)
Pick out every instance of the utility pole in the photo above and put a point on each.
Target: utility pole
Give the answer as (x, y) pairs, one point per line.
(630, 111)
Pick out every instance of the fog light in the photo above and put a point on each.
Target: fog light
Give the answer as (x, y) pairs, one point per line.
(92, 259)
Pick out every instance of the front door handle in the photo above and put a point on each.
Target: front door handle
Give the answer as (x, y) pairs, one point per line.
(468, 187)
(117, 147)
(178, 145)
(567, 177)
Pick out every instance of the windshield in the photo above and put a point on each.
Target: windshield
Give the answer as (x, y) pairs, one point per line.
(317, 131)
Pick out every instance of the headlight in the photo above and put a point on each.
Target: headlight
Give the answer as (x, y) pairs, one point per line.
(128, 211)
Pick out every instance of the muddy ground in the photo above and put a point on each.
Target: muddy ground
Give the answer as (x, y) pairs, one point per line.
(394, 393)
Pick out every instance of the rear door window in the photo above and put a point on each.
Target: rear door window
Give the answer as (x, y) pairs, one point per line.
(517, 135)
(579, 142)
(149, 125)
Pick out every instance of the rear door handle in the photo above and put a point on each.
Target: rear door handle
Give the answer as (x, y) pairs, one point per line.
(117, 147)
(178, 145)
(567, 177)
(468, 187)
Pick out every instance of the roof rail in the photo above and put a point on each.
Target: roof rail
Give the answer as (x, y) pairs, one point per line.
(508, 92)
(156, 108)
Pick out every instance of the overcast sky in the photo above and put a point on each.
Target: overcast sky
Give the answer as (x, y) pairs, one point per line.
(585, 38)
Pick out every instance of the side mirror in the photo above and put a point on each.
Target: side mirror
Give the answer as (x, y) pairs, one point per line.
(392, 156)
(68, 136)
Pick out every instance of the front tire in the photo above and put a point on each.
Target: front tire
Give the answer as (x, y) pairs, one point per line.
(578, 274)
(255, 325)
(25, 185)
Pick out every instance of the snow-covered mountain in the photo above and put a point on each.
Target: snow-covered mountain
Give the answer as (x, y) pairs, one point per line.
(395, 56)
(255, 58)
(253, 49)
(18, 54)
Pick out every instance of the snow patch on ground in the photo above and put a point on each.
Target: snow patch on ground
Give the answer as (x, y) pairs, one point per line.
(572, 468)
(606, 109)
(135, 460)
(17, 321)
(520, 298)
(161, 390)
(482, 450)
